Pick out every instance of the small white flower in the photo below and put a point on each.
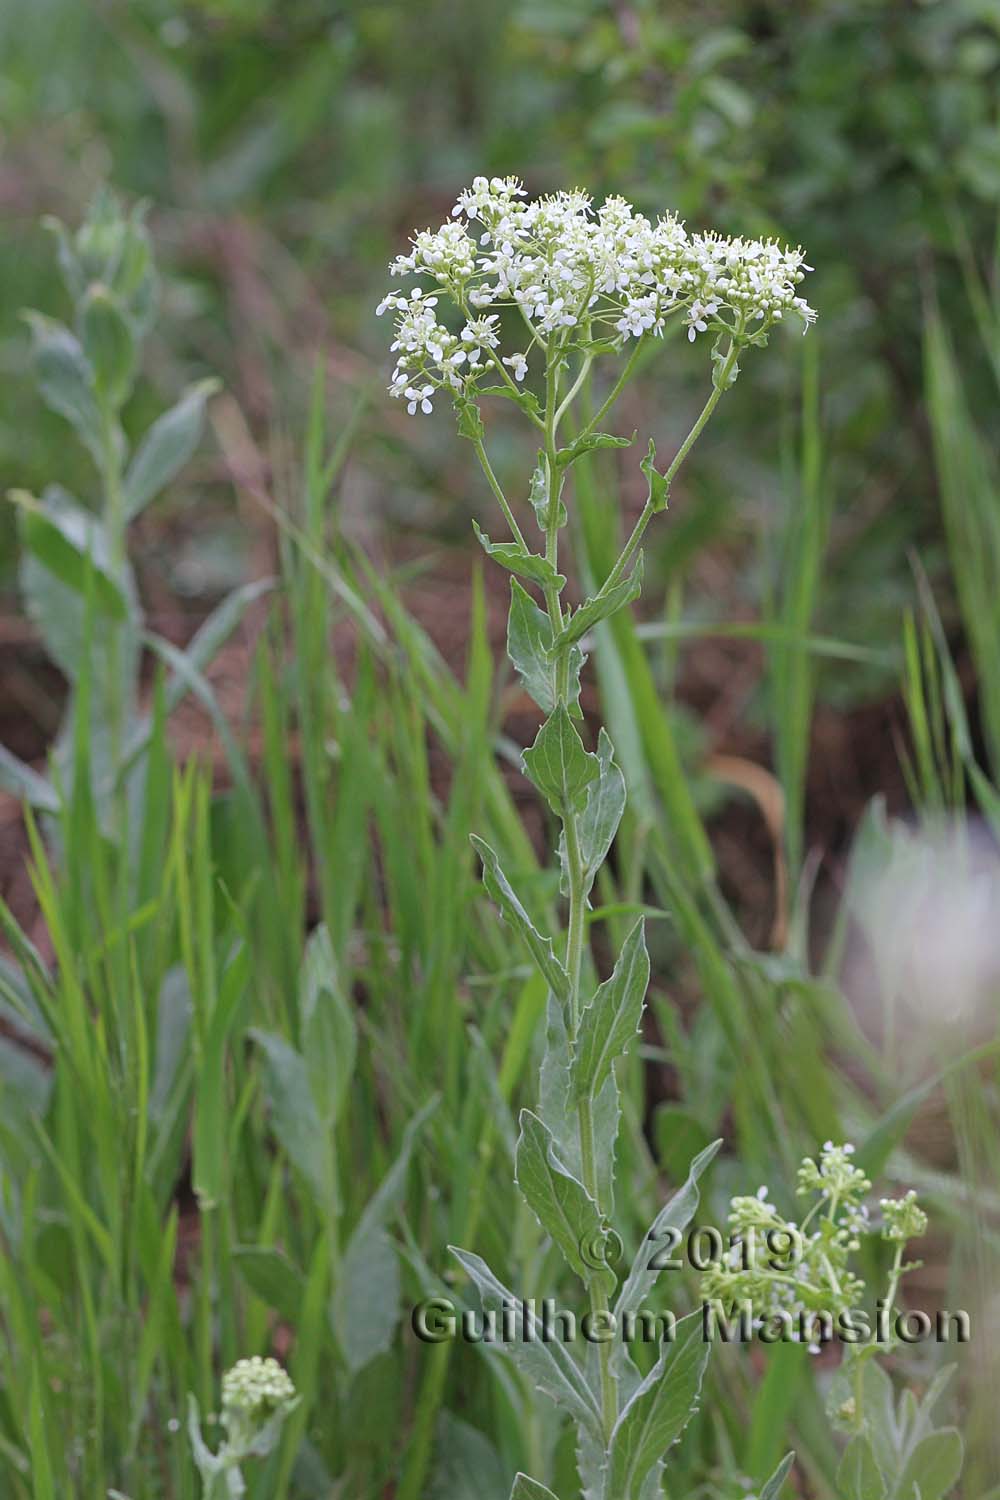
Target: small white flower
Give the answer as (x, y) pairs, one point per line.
(518, 364)
(419, 397)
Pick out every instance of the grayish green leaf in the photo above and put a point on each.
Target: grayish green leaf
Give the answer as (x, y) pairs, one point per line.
(466, 1464)
(294, 1117)
(560, 1116)
(366, 1305)
(858, 1475)
(588, 444)
(527, 564)
(602, 811)
(109, 344)
(503, 893)
(530, 1489)
(272, 1277)
(529, 644)
(659, 490)
(676, 1214)
(558, 765)
(72, 545)
(592, 611)
(934, 1466)
(659, 1410)
(66, 379)
(329, 1031)
(549, 1366)
(166, 447)
(538, 495)
(772, 1489)
(612, 1018)
(559, 1201)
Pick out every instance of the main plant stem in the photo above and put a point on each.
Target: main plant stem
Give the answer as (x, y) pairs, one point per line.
(575, 936)
(575, 873)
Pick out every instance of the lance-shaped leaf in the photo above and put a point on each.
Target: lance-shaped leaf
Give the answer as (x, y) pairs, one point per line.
(588, 444)
(503, 893)
(558, 764)
(559, 1201)
(559, 1113)
(538, 494)
(528, 564)
(367, 1301)
(602, 811)
(329, 1033)
(612, 1018)
(592, 611)
(167, 446)
(72, 545)
(547, 1364)
(529, 646)
(858, 1475)
(294, 1117)
(65, 378)
(530, 1489)
(466, 1464)
(109, 343)
(934, 1466)
(591, 1465)
(675, 1215)
(772, 1489)
(659, 1410)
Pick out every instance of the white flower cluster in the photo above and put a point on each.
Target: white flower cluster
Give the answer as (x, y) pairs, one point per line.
(575, 274)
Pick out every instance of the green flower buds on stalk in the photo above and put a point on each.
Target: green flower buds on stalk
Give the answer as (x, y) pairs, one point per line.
(581, 287)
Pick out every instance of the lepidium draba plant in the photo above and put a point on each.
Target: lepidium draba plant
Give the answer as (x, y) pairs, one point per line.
(521, 298)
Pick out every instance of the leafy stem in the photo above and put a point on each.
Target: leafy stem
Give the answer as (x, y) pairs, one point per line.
(494, 485)
(650, 508)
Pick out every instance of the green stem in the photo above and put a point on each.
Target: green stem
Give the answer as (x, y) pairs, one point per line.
(647, 512)
(575, 936)
(623, 379)
(719, 385)
(494, 485)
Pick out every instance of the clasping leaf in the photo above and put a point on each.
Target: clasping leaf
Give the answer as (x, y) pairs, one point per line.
(528, 564)
(559, 1202)
(612, 1018)
(529, 646)
(558, 765)
(506, 898)
(659, 1410)
(592, 611)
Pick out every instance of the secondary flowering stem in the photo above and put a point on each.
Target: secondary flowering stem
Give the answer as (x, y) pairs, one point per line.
(628, 370)
(494, 485)
(649, 510)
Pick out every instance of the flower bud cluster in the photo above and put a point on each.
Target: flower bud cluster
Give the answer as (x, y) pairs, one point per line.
(576, 275)
(902, 1218)
(815, 1276)
(254, 1392)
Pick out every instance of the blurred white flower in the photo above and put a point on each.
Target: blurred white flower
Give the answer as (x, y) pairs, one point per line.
(927, 903)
